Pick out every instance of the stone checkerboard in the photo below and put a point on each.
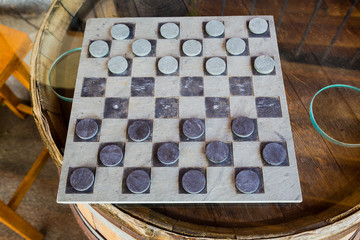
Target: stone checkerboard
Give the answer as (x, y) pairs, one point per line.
(142, 92)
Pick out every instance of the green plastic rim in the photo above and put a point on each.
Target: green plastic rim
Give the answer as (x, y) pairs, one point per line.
(51, 69)
(326, 136)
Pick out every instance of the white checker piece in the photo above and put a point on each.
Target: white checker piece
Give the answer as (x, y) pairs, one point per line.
(219, 60)
(169, 30)
(120, 31)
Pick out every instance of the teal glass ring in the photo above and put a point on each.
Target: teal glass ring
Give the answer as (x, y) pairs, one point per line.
(325, 135)
(52, 67)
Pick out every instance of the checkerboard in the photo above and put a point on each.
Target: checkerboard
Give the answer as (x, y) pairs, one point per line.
(142, 92)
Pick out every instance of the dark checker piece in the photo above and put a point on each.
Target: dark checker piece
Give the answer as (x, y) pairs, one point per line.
(243, 127)
(139, 131)
(193, 128)
(86, 129)
(168, 153)
(111, 155)
(138, 181)
(217, 151)
(82, 179)
(247, 181)
(193, 181)
(274, 153)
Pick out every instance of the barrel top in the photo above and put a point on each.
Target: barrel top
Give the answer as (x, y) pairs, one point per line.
(328, 173)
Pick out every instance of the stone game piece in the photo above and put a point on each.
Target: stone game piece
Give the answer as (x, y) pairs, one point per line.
(167, 65)
(168, 153)
(247, 181)
(217, 151)
(169, 30)
(192, 48)
(138, 181)
(141, 47)
(258, 25)
(139, 131)
(193, 128)
(274, 153)
(215, 66)
(242, 127)
(117, 65)
(111, 155)
(82, 179)
(193, 181)
(235, 46)
(264, 64)
(86, 129)
(214, 28)
(98, 49)
(120, 31)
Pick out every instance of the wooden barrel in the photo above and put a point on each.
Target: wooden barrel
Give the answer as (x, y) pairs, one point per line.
(329, 174)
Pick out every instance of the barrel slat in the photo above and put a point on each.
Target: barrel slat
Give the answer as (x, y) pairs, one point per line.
(159, 8)
(125, 8)
(154, 217)
(72, 6)
(51, 46)
(60, 19)
(109, 8)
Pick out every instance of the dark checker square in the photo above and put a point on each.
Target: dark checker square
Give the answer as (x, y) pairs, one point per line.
(93, 87)
(142, 87)
(184, 138)
(256, 72)
(150, 122)
(192, 86)
(246, 51)
(258, 171)
(107, 55)
(217, 107)
(116, 108)
(155, 160)
(252, 137)
(127, 72)
(102, 145)
(182, 171)
(131, 27)
(284, 163)
(96, 138)
(268, 107)
(70, 189)
(207, 35)
(264, 35)
(228, 162)
(153, 48)
(126, 173)
(162, 23)
(182, 41)
(241, 86)
(166, 108)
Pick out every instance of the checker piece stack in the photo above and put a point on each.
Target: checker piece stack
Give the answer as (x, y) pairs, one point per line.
(179, 110)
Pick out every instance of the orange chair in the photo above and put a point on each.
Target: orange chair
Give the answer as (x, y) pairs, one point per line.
(14, 45)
